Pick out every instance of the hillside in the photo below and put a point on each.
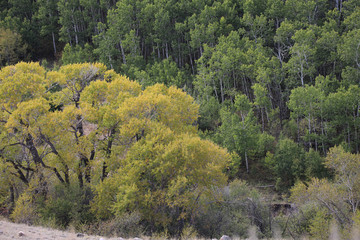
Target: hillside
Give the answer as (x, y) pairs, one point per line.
(170, 116)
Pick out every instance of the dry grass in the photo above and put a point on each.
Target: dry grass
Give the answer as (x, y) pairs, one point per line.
(11, 231)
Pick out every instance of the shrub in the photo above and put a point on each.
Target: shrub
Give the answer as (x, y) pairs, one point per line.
(126, 226)
(68, 204)
(240, 208)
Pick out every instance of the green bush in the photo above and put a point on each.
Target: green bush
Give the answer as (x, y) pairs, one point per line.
(68, 204)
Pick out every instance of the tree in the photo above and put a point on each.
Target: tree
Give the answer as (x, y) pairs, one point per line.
(83, 126)
(283, 39)
(169, 179)
(346, 167)
(326, 51)
(287, 163)
(160, 174)
(309, 11)
(77, 54)
(48, 17)
(165, 72)
(262, 102)
(238, 131)
(349, 53)
(307, 102)
(301, 62)
(341, 110)
(12, 48)
(338, 198)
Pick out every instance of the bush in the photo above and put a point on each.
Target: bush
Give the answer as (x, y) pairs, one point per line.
(28, 204)
(25, 209)
(126, 226)
(297, 223)
(68, 204)
(241, 207)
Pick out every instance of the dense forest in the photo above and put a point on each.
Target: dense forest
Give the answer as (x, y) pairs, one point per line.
(181, 118)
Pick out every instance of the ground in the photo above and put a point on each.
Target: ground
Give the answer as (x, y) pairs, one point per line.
(11, 231)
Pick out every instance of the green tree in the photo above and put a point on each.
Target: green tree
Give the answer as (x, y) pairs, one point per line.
(12, 48)
(341, 109)
(238, 131)
(349, 53)
(165, 72)
(48, 17)
(262, 102)
(309, 11)
(301, 62)
(287, 163)
(306, 103)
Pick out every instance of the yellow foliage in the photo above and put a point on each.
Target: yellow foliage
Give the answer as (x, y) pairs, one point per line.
(25, 206)
(166, 170)
(19, 83)
(147, 140)
(28, 114)
(170, 106)
(100, 99)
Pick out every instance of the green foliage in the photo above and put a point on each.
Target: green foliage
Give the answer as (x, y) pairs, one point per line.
(66, 205)
(165, 72)
(209, 114)
(287, 163)
(77, 54)
(297, 223)
(239, 133)
(315, 165)
(319, 226)
(12, 48)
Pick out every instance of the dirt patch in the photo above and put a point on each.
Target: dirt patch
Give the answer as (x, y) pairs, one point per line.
(11, 231)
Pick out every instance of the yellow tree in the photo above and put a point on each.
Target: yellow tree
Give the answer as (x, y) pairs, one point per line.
(163, 167)
(86, 126)
(163, 177)
(39, 138)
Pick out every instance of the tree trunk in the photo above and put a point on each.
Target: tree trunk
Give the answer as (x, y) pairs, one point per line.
(54, 44)
(262, 120)
(246, 162)
(122, 53)
(166, 51)
(80, 176)
(348, 133)
(309, 125)
(222, 91)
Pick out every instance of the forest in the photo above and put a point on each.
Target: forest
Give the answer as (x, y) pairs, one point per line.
(183, 119)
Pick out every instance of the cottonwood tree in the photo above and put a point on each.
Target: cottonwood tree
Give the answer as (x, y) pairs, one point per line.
(340, 197)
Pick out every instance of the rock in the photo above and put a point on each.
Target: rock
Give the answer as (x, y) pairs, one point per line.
(1, 232)
(137, 238)
(225, 237)
(21, 234)
(121, 238)
(101, 239)
(80, 235)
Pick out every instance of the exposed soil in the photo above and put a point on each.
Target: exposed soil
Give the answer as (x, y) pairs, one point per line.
(12, 231)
